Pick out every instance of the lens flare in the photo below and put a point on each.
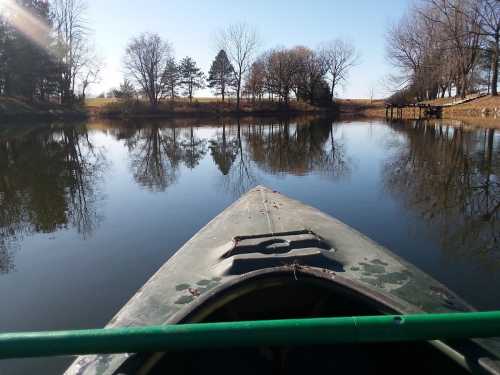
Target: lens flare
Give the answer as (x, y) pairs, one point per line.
(25, 22)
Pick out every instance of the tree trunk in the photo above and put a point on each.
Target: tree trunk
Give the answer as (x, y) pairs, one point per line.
(238, 88)
(463, 88)
(494, 66)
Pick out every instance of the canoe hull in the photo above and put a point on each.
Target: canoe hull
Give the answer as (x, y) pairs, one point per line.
(266, 236)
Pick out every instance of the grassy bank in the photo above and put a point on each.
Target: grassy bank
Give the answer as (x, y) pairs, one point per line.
(362, 107)
(200, 107)
(488, 106)
(484, 111)
(15, 108)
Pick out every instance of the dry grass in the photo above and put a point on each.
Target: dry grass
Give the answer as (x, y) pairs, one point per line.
(199, 106)
(480, 103)
(485, 107)
(362, 107)
(99, 102)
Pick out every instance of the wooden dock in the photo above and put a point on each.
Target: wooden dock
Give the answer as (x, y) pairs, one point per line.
(418, 110)
(423, 110)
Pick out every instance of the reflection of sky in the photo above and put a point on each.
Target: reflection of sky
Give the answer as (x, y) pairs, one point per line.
(62, 280)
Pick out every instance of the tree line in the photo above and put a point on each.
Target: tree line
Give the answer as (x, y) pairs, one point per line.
(237, 70)
(46, 54)
(446, 47)
(46, 51)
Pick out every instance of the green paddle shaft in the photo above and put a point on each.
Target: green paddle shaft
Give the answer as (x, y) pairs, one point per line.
(361, 329)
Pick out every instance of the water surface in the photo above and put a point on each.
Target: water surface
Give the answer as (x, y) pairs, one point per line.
(88, 212)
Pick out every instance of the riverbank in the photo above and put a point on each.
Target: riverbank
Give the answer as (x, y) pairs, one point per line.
(484, 111)
(200, 107)
(19, 109)
(16, 109)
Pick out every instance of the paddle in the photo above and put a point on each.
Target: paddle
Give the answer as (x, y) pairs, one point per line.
(381, 328)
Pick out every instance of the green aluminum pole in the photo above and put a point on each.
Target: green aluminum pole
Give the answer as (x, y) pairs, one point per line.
(381, 328)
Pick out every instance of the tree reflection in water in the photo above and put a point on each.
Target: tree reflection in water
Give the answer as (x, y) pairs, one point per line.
(49, 182)
(451, 177)
(195, 148)
(277, 147)
(224, 148)
(299, 148)
(157, 151)
(155, 154)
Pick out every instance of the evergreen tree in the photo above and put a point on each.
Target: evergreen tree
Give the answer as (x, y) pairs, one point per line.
(26, 69)
(221, 76)
(171, 78)
(191, 77)
(126, 90)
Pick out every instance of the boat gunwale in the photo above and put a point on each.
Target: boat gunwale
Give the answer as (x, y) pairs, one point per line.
(470, 355)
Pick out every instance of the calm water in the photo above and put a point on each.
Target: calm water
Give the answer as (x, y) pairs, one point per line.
(88, 212)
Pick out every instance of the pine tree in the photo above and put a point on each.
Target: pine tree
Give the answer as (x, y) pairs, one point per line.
(126, 90)
(192, 78)
(221, 75)
(25, 65)
(171, 78)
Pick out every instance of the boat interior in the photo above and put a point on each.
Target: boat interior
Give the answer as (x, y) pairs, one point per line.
(296, 295)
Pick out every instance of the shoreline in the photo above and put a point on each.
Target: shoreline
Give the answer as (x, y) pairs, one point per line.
(484, 112)
(16, 110)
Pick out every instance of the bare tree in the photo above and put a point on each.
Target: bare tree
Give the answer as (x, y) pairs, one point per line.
(404, 49)
(309, 78)
(416, 47)
(371, 93)
(240, 43)
(437, 46)
(146, 59)
(90, 73)
(70, 25)
(460, 25)
(283, 67)
(339, 57)
(489, 15)
(255, 80)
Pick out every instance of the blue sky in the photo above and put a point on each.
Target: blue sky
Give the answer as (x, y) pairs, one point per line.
(190, 26)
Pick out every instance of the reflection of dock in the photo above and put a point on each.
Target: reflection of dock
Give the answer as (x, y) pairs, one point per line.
(416, 111)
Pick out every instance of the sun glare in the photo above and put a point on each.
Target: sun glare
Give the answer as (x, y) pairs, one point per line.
(5, 8)
(28, 24)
